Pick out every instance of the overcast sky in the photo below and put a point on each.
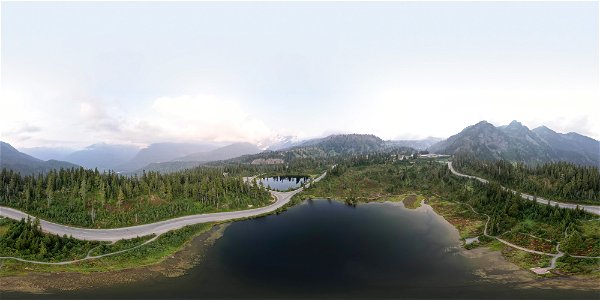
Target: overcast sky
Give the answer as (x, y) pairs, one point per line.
(74, 74)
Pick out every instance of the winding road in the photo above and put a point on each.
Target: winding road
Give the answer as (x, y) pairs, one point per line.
(156, 228)
(593, 209)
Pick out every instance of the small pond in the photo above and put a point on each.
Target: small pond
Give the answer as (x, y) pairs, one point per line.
(283, 183)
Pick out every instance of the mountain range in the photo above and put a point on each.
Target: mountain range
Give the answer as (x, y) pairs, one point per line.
(516, 142)
(47, 153)
(330, 146)
(103, 156)
(162, 152)
(198, 158)
(11, 158)
(423, 144)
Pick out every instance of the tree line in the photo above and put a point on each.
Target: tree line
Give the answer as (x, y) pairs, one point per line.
(93, 199)
(507, 211)
(25, 239)
(556, 180)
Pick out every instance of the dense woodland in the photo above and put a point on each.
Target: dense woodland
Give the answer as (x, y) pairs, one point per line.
(25, 239)
(92, 199)
(292, 166)
(373, 177)
(559, 180)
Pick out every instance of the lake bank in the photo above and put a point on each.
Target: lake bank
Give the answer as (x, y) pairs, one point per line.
(172, 265)
(497, 266)
(311, 235)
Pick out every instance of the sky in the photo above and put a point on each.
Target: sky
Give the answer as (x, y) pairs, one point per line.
(78, 73)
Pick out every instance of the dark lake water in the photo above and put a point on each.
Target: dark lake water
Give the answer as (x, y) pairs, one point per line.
(325, 249)
(283, 183)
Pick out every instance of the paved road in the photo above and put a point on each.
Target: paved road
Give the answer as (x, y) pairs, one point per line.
(593, 209)
(152, 228)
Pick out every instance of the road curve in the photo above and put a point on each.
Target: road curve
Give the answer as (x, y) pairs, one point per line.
(115, 234)
(593, 209)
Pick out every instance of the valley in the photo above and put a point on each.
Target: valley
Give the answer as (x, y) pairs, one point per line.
(110, 222)
(299, 150)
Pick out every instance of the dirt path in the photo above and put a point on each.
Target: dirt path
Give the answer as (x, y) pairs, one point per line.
(555, 256)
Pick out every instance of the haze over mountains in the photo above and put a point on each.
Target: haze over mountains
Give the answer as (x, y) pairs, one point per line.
(161, 152)
(11, 158)
(47, 153)
(516, 142)
(483, 140)
(195, 159)
(423, 144)
(103, 156)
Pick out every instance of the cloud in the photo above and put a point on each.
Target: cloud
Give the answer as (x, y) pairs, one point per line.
(21, 131)
(185, 118)
(206, 117)
(580, 124)
(27, 128)
(96, 118)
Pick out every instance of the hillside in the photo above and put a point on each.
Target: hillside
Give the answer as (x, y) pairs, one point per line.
(416, 144)
(327, 149)
(196, 159)
(227, 152)
(162, 152)
(345, 144)
(571, 146)
(516, 142)
(11, 158)
(47, 153)
(285, 142)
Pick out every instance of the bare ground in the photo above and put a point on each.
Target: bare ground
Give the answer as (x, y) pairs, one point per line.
(494, 267)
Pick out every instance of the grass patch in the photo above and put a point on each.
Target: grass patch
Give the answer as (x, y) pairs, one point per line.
(413, 201)
(4, 225)
(571, 265)
(152, 253)
(529, 242)
(524, 259)
(119, 245)
(468, 223)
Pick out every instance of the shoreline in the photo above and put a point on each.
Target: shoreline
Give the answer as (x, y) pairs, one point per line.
(493, 265)
(497, 260)
(174, 265)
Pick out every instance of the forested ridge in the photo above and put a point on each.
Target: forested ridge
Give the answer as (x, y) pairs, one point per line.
(90, 198)
(557, 180)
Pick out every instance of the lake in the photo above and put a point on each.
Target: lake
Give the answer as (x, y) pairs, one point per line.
(326, 249)
(283, 183)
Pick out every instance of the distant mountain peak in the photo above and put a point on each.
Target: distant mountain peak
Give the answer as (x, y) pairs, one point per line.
(354, 135)
(483, 123)
(516, 126)
(516, 142)
(281, 142)
(13, 159)
(515, 123)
